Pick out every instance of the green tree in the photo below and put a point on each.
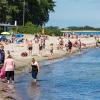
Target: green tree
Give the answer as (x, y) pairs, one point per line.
(3, 10)
(46, 6)
(29, 28)
(38, 11)
(14, 11)
(53, 31)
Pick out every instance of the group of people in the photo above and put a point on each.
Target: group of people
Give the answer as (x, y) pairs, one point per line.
(76, 44)
(40, 40)
(61, 44)
(30, 46)
(7, 67)
(9, 64)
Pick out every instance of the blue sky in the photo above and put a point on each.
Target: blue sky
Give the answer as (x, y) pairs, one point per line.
(75, 13)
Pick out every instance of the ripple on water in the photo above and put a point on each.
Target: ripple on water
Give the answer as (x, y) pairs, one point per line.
(74, 78)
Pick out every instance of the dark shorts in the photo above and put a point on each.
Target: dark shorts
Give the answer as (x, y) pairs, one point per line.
(30, 48)
(61, 44)
(40, 48)
(2, 61)
(51, 50)
(10, 75)
(34, 71)
(69, 47)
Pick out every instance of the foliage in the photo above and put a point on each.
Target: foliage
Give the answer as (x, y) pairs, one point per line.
(53, 31)
(82, 28)
(45, 7)
(36, 11)
(29, 28)
(3, 8)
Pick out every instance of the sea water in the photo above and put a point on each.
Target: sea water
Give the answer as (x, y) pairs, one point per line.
(87, 33)
(71, 78)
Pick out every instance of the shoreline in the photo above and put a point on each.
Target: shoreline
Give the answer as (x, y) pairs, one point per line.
(4, 93)
(22, 69)
(23, 63)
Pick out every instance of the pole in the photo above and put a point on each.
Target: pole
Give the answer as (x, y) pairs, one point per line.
(43, 29)
(24, 13)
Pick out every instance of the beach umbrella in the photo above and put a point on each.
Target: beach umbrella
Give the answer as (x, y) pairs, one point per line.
(5, 33)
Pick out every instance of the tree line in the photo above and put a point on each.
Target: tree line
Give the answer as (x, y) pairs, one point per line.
(72, 28)
(35, 11)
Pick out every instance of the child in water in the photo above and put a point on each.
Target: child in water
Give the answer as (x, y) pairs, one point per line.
(35, 69)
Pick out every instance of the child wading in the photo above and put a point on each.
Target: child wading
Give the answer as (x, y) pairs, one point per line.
(35, 69)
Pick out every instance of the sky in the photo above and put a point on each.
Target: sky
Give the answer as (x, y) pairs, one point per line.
(75, 13)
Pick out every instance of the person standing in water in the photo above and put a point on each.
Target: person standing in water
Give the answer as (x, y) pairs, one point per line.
(35, 69)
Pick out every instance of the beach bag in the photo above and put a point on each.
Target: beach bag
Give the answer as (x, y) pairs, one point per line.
(2, 73)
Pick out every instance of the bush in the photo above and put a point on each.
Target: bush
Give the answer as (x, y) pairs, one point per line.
(29, 28)
(53, 31)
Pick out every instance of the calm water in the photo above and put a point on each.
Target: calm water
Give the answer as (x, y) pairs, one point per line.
(73, 78)
(87, 33)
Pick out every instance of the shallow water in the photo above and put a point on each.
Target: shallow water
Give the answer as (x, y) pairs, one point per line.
(73, 78)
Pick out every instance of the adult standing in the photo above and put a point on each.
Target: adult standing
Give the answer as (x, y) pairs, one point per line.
(35, 69)
(30, 47)
(40, 48)
(79, 45)
(9, 68)
(51, 49)
(69, 46)
(2, 54)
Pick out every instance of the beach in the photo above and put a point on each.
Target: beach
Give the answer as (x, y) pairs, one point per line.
(23, 63)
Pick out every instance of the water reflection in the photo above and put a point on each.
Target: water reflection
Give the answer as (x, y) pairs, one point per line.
(34, 91)
(74, 78)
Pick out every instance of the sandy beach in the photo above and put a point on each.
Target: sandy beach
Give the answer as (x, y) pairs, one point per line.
(22, 63)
